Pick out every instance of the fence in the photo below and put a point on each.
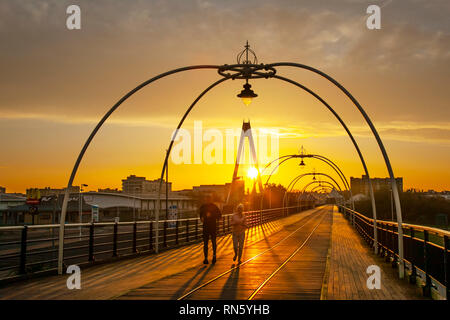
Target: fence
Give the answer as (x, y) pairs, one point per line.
(426, 249)
(26, 250)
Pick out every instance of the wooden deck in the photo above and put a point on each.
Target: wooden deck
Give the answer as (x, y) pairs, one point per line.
(113, 279)
(300, 278)
(315, 254)
(348, 262)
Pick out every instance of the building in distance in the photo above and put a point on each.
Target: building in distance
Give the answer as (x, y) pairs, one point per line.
(361, 185)
(139, 185)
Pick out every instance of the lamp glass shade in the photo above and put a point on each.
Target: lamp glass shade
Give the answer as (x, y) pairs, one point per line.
(247, 101)
(247, 94)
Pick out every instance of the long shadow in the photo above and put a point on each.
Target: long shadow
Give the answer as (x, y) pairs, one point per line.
(229, 289)
(183, 288)
(199, 280)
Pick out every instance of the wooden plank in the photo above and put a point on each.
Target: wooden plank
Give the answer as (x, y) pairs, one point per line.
(350, 257)
(301, 278)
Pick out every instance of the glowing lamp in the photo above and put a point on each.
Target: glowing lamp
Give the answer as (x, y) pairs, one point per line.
(247, 94)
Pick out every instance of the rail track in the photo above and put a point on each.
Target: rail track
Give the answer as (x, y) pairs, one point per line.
(305, 231)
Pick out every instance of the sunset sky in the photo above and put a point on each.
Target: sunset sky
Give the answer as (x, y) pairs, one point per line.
(56, 84)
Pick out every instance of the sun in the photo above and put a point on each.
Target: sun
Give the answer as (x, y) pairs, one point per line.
(252, 173)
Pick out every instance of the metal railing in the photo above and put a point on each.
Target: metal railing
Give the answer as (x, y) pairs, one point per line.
(426, 249)
(26, 250)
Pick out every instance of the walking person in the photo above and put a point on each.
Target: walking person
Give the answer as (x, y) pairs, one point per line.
(209, 214)
(238, 222)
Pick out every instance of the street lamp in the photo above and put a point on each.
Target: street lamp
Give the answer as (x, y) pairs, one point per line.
(247, 94)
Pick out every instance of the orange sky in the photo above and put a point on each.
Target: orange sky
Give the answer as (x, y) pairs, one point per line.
(56, 84)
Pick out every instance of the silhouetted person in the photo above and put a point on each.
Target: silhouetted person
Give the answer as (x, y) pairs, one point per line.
(209, 214)
(238, 222)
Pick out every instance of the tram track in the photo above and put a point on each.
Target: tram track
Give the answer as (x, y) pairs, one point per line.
(314, 217)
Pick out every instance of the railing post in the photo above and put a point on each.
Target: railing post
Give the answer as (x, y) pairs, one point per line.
(134, 237)
(115, 240)
(412, 277)
(447, 266)
(150, 236)
(390, 243)
(187, 230)
(196, 229)
(223, 225)
(394, 258)
(176, 232)
(381, 248)
(23, 250)
(91, 242)
(427, 287)
(165, 234)
(228, 223)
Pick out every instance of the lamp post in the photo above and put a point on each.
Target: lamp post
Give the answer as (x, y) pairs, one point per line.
(80, 207)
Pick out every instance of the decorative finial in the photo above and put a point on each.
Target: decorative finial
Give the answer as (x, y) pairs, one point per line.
(302, 151)
(244, 58)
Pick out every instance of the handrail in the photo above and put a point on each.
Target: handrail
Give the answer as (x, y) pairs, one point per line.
(426, 258)
(34, 251)
(87, 224)
(404, 225)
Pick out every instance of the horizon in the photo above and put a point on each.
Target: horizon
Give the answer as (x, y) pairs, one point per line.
(55, 93)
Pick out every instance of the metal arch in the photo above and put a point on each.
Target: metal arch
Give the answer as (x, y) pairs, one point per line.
(332, 164)
(355, 144)
(91, 137)
(314, 156)
(320, 174)
(380, 145)
(314, 182)
(246, 72)
(324, 159)
(323, 187)
(296, 179)
(169, 149)
(273, 171)
(270, 163)
(337, 169)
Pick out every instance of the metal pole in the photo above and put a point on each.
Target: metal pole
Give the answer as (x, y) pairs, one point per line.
(355, 144)
(392, 207)
(79, 207)
(91, 137)
(158, 207)
(382, 149)
(167, 189)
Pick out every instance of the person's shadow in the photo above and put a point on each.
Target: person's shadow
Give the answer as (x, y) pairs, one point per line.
(204, 269)
(229, 289)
